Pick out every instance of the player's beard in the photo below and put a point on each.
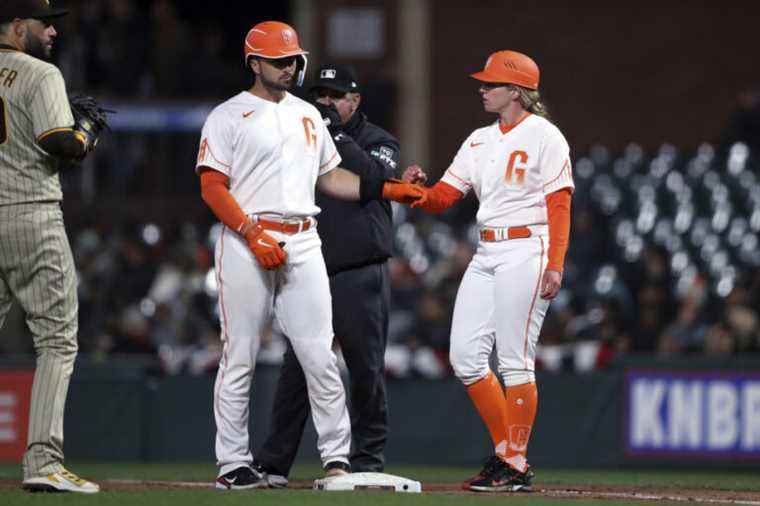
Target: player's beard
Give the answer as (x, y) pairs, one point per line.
(35, 47)
(276, 85)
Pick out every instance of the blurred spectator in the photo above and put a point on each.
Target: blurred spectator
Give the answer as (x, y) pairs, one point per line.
(742, 320)
(121, 49)
(744, 123)
(718, 341)
(213, 75)
(685, 333)
(172, 47)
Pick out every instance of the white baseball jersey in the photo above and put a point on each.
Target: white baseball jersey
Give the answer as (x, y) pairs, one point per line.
(273, 153)
(511, 173)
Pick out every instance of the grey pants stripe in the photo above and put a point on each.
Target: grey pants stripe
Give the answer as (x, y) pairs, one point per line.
(37, 269)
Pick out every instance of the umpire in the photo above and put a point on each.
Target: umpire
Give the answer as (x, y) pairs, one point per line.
(356, 241)
(37, 131)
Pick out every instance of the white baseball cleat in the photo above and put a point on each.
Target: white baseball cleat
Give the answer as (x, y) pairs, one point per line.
(61, 481)
(277, 480)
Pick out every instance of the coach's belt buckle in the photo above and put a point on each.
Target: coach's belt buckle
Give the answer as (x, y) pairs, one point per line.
(518, 232)
(504, 234)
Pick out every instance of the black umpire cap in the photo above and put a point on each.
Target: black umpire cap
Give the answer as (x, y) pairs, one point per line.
(25, 9)
(340, 78)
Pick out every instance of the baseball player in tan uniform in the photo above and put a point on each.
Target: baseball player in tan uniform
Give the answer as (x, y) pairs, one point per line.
(37, 129)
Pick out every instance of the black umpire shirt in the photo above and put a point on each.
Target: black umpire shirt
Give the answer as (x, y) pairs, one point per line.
(356, 234)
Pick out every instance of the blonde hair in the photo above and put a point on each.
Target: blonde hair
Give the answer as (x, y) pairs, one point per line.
(531, 101)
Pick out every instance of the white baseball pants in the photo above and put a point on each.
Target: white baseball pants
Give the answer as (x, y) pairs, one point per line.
(298, 296)
(498, 304)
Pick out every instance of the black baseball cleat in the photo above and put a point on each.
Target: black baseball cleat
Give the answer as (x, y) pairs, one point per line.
(488, 465)
(502, 477)
(242, 478)
(274, 478)
(336, 468)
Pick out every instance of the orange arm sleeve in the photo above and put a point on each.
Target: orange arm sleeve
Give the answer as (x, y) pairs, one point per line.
(558, 209)
(216, 194)
(440, 197)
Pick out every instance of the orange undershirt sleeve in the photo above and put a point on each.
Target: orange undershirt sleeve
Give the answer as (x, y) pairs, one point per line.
(216, 194)
(440, 197)
(558, 210)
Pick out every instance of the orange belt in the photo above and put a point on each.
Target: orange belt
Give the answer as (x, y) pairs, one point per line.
(503, 234)
(287, 227)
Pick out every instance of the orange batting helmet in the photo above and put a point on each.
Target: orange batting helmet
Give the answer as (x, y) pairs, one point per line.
(510, 67)
(273, 40)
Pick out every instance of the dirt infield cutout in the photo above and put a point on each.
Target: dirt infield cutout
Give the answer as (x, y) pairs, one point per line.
(694, 496)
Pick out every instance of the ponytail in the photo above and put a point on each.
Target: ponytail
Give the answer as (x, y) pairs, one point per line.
(531, 101)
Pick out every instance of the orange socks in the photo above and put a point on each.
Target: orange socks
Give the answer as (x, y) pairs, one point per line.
(508, 415)
(520, 408)
(488, 397)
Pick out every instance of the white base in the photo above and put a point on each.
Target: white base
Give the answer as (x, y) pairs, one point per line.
(368, 481)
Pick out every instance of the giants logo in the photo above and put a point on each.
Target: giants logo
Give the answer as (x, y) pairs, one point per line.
(518, 437)
(309, 130)
(519, 172)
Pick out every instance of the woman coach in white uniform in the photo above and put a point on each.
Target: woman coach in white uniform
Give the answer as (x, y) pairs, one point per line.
(519, 168)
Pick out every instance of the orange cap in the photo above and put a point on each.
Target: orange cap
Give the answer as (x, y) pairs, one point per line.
(272, 39)
(510, 67)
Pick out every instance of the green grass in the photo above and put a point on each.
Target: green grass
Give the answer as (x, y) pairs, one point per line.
(205, 472)
(286, 498)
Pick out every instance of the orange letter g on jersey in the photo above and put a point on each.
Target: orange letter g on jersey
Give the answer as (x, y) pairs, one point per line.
(516, 157)
(202, 151)
(309, 128)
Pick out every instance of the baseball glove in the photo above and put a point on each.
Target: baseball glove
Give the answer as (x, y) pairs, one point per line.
(90, 119)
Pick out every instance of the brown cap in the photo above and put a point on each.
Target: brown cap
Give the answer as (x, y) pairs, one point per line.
(24, 9)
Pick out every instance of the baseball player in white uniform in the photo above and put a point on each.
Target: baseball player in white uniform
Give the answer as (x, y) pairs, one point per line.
(519, 168)
(262, 153)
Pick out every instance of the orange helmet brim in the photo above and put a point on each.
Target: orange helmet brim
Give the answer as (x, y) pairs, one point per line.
(486, 77)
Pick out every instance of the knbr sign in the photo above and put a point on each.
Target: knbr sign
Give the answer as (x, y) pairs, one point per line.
(15, 392)
(680, 413)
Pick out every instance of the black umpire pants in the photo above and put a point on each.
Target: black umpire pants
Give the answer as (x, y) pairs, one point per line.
(360, 301)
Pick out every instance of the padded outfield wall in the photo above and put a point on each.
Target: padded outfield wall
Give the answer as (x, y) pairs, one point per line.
(642, 413)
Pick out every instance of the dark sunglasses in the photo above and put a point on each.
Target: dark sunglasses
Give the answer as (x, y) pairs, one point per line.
(281, 63)
(492, 86)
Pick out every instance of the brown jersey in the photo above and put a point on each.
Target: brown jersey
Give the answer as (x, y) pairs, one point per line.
(34, 104)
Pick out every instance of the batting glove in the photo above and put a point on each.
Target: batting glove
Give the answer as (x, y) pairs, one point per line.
(266, 250)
